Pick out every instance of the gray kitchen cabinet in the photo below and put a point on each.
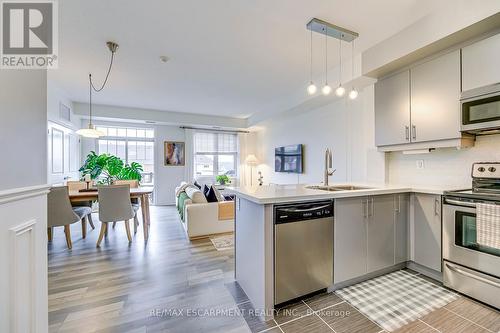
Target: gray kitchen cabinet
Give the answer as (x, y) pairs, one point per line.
(480, 63)
(427, 231)
(350, 238)
(401, 231)
(380, 232)
(392, 110)
(435, 94)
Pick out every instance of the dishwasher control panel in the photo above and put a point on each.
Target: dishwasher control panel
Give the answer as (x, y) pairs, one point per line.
(303, 211)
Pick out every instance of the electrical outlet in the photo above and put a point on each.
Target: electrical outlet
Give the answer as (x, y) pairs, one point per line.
(420, 164)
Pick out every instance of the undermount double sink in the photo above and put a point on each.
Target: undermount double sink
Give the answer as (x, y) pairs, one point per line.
(333, 188)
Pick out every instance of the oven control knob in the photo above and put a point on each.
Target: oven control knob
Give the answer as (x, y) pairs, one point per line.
(481, 169)
(492, 169)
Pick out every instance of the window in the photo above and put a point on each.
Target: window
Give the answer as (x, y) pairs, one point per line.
(131, 145)
(215, 154)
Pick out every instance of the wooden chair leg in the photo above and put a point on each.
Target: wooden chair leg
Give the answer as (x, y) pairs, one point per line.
(114, 225)
(68, 236)
(104, 227)
(49, 233)
(84, 227)
(127, 227)
(90, 221)
(136, 223)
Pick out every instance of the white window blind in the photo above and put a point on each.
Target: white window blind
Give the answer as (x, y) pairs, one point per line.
(215, 154)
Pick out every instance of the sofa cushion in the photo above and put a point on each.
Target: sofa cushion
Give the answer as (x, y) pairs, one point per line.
(195, 195)
(219, 196)
(197, 184)
(211, 196)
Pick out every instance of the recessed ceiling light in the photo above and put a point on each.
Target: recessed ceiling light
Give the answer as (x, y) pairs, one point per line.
(163, 58)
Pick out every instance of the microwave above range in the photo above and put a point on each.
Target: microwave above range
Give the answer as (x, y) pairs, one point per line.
(481, 110)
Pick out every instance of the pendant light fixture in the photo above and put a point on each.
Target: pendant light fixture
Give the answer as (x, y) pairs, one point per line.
(90, 131)
(311, 88)
(340, 91)
(353, 94)
(326, 88)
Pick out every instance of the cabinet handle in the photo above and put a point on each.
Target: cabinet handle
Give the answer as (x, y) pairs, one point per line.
(398, 210)
(436, 204)
(407, 132)
(372, 210)
(414, 131)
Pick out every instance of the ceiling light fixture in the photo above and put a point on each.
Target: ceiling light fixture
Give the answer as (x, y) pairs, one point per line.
(340, 91)
(353, 94)
(330, 30)
(311, 88)
(90, 131)
(164, 58)
(326, 88)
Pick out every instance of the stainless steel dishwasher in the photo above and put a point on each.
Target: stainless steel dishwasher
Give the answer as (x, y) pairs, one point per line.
(303, 249)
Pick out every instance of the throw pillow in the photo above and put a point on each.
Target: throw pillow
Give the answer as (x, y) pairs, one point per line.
(206, 189)
(197, 184)
(219, 196)
(211, 197)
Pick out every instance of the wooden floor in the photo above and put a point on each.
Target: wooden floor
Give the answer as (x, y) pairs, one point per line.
(174, 285)
(140, 288)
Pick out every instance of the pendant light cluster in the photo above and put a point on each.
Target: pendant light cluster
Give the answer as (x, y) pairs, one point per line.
(330, 30)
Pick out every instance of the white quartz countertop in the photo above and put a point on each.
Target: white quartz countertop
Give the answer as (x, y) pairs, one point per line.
(269, 194)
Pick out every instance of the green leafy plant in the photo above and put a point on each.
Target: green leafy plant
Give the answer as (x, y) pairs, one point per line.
(107, 168)
(223, 179)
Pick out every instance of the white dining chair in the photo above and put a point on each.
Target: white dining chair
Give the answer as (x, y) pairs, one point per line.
(74, 185)
(114, 205)
(135, 202)
(61, 213)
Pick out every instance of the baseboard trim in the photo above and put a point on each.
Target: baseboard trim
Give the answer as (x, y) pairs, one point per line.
(438, 276)
(365, 277)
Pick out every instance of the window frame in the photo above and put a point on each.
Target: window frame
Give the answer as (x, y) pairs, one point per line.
(216, 155)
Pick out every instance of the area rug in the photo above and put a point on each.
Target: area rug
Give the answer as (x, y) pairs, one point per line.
(396, 299)
(222, 243)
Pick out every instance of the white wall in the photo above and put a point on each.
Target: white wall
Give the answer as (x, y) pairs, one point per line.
(23, 201)
(166, 177)
(345, 126)
(449, 168)
(55, 96)
(23, 128)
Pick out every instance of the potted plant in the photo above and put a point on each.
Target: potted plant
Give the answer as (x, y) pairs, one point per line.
(108, 168)
(222, 179)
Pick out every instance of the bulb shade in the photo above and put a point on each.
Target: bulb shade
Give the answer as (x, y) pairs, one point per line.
(340, 91)
(326, 89)
(353, 94)
(90, 132)
(311, 89)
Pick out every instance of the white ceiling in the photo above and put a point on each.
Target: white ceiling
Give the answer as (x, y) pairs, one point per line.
(227, 57)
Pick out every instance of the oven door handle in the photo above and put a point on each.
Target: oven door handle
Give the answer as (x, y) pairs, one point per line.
(460, 203)
(479, 278)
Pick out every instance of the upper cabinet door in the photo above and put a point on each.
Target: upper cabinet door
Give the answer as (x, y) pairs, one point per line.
(392, 110)
(480, 63)
(435, 94)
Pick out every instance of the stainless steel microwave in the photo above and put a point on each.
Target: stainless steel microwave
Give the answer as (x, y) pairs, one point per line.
(481, 110)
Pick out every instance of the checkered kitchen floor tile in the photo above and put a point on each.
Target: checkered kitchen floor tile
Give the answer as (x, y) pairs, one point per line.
(396, 299)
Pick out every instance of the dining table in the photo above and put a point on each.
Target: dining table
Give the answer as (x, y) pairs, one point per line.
(141, 193)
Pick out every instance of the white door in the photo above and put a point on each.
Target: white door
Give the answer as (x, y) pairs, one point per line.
(63, 154)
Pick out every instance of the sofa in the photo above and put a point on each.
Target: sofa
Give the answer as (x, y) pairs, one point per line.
(199, 217)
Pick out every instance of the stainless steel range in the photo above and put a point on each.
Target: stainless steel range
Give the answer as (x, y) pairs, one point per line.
(469, 266)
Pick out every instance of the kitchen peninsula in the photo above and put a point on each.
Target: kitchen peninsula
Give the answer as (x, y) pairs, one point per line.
(370, 234)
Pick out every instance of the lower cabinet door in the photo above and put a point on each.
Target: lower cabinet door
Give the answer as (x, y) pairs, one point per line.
(350, 238)
(401, 230)
(380, 231)
(427, 231)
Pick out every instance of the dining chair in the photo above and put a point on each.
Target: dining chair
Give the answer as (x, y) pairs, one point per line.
(74, 185)
(61, 213)
(135, 202)
(114, 205)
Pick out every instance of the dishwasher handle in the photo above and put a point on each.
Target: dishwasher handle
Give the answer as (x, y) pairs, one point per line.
(302, 212)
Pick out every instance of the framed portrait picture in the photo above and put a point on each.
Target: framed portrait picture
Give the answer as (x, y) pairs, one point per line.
(174, 153)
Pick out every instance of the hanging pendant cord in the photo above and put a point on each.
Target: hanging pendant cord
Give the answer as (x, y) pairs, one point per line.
(326, 56)
(311, 53)
(93, 88)
(340, 57)
(352, 60)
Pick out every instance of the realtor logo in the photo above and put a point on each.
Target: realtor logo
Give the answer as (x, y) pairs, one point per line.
(29, 34)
